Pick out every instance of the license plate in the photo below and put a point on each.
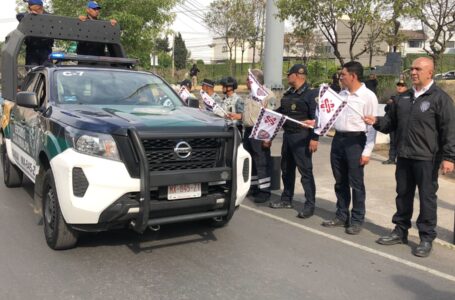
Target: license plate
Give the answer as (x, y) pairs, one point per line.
(183, 191)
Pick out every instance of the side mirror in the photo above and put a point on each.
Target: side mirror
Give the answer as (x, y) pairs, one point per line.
(193, 102)
(27, 99)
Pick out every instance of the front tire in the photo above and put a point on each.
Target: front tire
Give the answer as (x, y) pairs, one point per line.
(12, 175)
(59, 235)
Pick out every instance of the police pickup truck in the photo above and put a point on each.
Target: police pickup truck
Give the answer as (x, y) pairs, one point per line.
(107, 146)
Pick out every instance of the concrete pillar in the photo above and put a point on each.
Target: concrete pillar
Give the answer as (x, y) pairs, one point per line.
(274, 44)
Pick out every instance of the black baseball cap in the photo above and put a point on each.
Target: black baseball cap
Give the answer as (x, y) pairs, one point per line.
(298, 69)
(401, 82)
(208, 82)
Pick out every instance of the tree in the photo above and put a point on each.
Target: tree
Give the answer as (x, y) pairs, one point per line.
(162, 45)
(141, 23)
(307, 41)
(393, 11)
(245, 27)
(438, 22)
(164, 60)
(257, 35)
(324, 15)
(221, 21)
(374, 35)
(180, 52)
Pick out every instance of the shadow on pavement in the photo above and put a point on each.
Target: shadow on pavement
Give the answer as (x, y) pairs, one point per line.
(421, 289)
(168, 236)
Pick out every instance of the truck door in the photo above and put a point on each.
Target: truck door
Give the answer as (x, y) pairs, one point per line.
(25, 127)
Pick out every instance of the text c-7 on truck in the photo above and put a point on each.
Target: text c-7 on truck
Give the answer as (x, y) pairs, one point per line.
(107, 146)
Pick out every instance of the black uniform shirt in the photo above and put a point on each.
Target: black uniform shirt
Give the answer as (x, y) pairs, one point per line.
(298, 104)
(37, 49)
(91, 48)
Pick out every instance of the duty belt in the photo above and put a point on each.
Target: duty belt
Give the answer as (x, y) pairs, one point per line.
(349, 133)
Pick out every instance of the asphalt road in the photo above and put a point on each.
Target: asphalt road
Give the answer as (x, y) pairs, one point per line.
(261, 254)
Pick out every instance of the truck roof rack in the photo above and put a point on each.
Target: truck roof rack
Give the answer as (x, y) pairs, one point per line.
(53, 27)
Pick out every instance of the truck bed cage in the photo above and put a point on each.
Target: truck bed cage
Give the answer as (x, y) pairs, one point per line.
(53, 27)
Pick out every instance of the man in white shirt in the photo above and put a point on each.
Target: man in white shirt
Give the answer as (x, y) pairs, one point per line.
(351, 149)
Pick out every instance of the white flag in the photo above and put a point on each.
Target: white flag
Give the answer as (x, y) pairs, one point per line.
(267, 125)
(211, 105)
(208, 101)
(257, 91)
(330, 106)
(184, 93)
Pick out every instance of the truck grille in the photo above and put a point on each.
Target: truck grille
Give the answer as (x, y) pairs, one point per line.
(161, 156)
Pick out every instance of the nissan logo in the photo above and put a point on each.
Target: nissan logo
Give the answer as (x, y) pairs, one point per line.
(183, 149)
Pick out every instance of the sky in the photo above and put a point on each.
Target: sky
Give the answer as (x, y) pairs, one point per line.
(188, 22)
(7, 18)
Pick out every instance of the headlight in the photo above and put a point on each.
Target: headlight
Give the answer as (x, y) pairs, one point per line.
(96, 144)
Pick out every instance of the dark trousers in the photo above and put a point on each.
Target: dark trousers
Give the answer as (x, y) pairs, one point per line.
(295, 153)
(262, 163)
(410, 174)
(345, 157)
(393, 146)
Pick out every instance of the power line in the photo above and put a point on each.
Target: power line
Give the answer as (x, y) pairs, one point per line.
(191, 6)
(190, 10)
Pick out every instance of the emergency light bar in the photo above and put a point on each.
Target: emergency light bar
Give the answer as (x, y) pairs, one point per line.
(59, 56)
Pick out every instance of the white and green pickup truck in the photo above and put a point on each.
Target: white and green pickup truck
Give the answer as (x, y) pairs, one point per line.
(107, 146)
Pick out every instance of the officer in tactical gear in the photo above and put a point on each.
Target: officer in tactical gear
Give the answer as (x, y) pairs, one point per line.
(231, 103)
(37, 50)
(299, 143)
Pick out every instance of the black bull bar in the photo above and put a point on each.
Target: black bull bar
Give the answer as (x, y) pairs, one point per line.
(143, 220)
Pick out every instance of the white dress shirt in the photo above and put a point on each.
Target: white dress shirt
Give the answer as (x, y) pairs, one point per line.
(362, 102)
(417, 93)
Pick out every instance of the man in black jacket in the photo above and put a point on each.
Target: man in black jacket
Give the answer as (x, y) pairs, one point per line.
(299, 143)
(425, 128)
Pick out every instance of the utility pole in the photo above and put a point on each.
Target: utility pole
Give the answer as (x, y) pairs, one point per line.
(274, 44)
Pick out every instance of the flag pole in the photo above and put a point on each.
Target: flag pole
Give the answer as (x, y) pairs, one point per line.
(292, 120)
(355, 110)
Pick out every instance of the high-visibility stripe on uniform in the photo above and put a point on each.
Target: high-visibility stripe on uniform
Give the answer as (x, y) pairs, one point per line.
(266, 179)
(265, 185)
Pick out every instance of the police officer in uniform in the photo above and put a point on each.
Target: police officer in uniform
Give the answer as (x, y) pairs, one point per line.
(299, 143)
(402, 95)
(208, 86)
(92, 48)
(259, 151)
(37, 50)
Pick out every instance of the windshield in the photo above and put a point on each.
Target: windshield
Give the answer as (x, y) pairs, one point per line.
(112, 87)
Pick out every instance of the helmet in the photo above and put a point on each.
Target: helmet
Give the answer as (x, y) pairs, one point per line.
(187, 83)
(229, 81)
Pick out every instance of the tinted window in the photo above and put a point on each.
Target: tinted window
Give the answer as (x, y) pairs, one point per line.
(112, 87)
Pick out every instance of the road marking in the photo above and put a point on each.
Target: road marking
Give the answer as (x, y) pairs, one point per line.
(352, 244)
